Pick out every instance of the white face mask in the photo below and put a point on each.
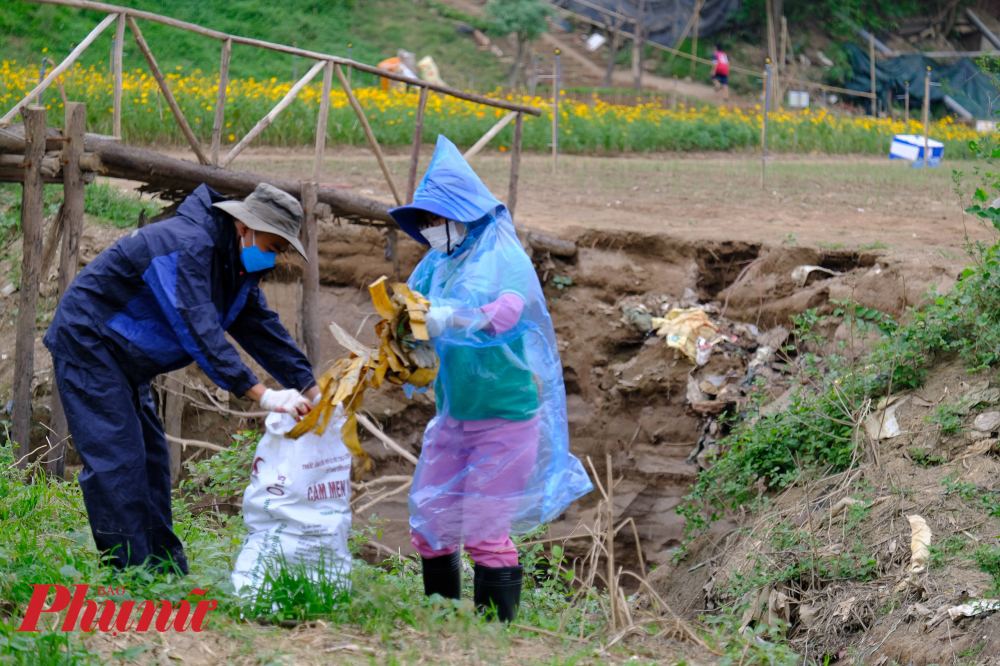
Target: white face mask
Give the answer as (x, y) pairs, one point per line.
(445, 238)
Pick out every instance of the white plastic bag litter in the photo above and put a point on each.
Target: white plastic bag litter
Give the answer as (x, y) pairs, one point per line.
(297, 503)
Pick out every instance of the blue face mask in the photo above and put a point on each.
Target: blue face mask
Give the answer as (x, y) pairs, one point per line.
(254, 259)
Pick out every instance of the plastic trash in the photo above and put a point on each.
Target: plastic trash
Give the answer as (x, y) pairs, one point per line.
(297, 505)
(920, 543)
(683, 328)
(881, 423)
(429, 71)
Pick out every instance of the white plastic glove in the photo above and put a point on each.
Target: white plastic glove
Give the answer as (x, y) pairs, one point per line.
(439, 318)
(288, 401)
(315, 401)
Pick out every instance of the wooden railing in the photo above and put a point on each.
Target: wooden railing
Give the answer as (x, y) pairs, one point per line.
(329, 64)
(36, 154)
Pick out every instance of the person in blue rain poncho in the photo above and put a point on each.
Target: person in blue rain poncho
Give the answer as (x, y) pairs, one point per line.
(495, 459)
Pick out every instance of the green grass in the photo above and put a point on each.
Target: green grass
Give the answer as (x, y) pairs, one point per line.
(106, 202)
(376, 28)
(116, 206)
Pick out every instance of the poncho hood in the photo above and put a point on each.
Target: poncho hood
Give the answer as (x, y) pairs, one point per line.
(451, 189)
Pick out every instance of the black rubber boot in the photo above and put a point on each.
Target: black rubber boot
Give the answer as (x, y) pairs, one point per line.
(499, 588)
(443, 575)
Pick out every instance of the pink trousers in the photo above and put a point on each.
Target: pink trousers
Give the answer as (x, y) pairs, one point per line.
(469, 484)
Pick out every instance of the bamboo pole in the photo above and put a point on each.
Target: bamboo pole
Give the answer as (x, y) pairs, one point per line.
(69, 257)
(763, 125)
(368, 133)
(418, 137)
(119, 77)
(162, 82)
(871, 67)
(927, 112)
(58, 69)
(220, 99)
(310, 277)
(321, 121)
(555, 115)
(486, 138)
(774, 76)
(694, 37)
(515, 164)
(638, 46)
(906, 105)
(266, 121)
(782, 64)
(173, 418)
(32, 213)
(610, 540)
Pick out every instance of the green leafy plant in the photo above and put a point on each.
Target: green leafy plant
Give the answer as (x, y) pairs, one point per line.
(561, 282)
(948, 417)
(944, 550)
(987, 558)
(226, 473)
(925, 458)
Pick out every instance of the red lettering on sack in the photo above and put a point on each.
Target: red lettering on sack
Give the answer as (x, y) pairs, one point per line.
(253, 468)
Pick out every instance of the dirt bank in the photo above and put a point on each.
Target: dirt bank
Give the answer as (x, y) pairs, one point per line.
(625, 390)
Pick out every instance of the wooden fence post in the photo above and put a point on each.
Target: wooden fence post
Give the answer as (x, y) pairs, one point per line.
(32, 212)
(119, 77)
(555, 114)
(927, 112)
(310, 277)
(515, 164)
(871, 60)
(321, 121)
(906, 106)
(220, 100)
(173, 416)
(418, 137)
(69, 258)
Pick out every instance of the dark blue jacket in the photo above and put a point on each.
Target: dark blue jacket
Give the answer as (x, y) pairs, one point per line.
(166, 294)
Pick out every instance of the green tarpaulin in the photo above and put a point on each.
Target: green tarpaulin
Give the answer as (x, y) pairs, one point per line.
(962, 80)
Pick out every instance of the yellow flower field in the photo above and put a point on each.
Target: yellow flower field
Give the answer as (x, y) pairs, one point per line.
(597, 127)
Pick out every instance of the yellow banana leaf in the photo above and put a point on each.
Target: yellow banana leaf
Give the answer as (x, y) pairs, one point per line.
(349, 431)
(350, 381)
(376, 379)
(423, 377)
(419, 330)
(380, 298)
(390, 356)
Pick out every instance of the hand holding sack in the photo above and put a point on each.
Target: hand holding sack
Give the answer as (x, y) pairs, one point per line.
(288, 401)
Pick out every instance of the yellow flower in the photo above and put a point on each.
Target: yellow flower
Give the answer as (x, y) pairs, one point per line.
(232, 137)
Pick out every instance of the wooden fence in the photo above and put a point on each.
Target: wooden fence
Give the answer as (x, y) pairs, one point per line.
(33, 156)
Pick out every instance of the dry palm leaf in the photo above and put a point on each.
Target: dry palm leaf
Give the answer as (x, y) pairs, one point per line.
(403, 355)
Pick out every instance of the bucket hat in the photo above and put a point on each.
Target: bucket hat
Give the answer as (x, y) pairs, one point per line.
(272, 210)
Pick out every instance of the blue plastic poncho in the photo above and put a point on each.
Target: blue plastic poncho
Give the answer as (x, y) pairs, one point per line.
(495, 458)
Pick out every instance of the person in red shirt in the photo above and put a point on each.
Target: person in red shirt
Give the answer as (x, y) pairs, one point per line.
(720, 72)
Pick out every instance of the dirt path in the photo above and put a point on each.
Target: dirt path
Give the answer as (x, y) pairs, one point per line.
(849, 203)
